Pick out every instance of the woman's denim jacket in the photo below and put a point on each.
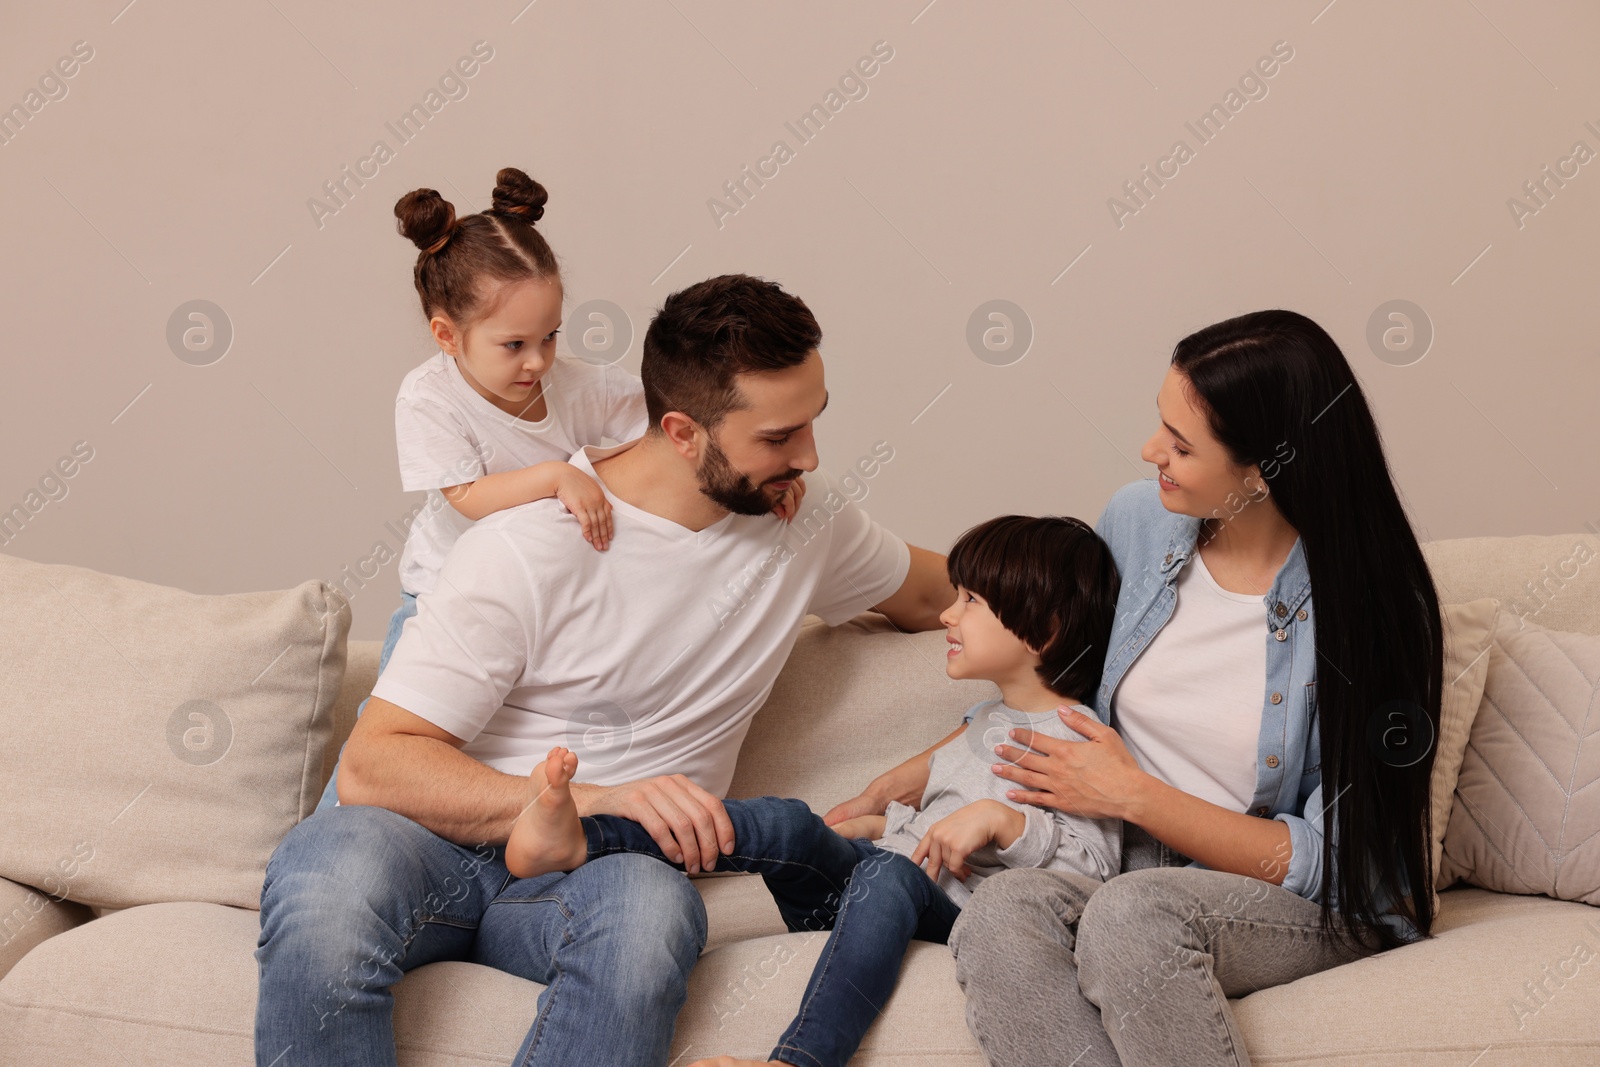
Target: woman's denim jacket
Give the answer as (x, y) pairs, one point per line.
(1150, 545)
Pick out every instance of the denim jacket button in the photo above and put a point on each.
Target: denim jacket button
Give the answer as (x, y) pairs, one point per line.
(1272, 761)
(1262, 810)
(1281, 635)
(1277, 698)
(1281, 610)
(1168, 559)
(1301, 614)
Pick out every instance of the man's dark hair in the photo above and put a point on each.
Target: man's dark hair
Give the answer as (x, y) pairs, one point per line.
(706, 334)
(1052, 582)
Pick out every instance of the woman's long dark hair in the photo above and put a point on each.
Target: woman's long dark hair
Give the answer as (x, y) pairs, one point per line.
(1277, 392)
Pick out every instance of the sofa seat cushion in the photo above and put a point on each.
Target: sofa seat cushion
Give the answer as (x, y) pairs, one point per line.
(175, 984)
(1458, 998)
(29, 916)
(738, 907)
(172, 984)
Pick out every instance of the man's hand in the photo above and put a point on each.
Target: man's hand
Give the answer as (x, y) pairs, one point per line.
(689, 824)
(958, 835)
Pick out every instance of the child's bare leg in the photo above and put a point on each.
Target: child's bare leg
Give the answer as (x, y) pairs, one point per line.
(547, 835)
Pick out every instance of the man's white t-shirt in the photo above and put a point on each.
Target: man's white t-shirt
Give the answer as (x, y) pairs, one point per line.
(1189, 707)
(646, 659)
(447, 434)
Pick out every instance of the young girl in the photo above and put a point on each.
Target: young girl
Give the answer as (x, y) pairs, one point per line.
(1034, 602)
(489, 421)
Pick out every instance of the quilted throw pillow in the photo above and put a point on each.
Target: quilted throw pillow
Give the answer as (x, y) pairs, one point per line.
(1526, 814)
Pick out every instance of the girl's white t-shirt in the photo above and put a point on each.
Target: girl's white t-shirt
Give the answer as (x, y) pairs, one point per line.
(447, 433)
(1189, 707)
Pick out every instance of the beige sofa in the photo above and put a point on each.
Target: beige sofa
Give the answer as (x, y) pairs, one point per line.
(173, 981)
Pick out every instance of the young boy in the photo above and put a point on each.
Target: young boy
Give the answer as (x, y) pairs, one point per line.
(1034, 604)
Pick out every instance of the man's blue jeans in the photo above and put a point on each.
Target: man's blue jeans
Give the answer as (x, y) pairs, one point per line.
(875, 902)
(397, 621)
(355, 896)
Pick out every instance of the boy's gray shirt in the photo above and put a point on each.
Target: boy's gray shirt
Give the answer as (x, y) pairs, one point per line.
(959, 774)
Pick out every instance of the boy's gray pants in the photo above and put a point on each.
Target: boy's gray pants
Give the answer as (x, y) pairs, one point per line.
(1059, 968)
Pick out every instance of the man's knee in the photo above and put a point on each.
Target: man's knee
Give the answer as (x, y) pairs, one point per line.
(334, 838)
(644, 904)
(321, 900)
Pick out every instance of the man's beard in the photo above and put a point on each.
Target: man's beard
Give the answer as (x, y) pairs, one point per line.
(733, 489)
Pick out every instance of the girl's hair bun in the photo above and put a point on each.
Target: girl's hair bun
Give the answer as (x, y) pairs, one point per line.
(426, 219)
(517, 194)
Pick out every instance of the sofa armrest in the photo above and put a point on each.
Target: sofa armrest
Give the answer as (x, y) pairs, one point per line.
(28, 916)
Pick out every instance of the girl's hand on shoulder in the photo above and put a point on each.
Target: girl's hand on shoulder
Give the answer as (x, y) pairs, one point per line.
(582, 495)
(788, 505)
(949, 842)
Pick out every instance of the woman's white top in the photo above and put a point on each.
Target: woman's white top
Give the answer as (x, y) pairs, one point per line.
(1189, 708)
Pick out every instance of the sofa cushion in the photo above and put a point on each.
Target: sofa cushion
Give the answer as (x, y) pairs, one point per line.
(87, 996)
(1468, 632)
(28, 917)
(1462, 997)
(1550, 579)
(159, 742)
(1526, 817)
(174, 985)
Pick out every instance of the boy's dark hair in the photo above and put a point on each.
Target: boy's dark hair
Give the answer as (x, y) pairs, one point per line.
(713, 330)
(1052, 582)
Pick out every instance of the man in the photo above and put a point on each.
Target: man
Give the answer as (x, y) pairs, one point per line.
(648, 659)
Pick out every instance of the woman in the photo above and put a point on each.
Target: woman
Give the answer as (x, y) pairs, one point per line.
(1270, 759)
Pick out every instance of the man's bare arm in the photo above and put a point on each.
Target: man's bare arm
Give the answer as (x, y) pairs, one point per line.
(925, 593)
(403, 762)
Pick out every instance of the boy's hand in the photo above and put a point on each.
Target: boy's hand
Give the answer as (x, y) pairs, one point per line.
(867, 826)
(952, 839)
(582, 496)
(788, 505)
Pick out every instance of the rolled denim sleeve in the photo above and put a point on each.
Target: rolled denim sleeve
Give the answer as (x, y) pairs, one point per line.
(1305, 875)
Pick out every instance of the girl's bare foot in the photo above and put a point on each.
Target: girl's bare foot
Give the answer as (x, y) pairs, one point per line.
(547, 835)
(729, 1061)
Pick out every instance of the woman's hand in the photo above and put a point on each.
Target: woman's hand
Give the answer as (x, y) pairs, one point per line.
(1097, 777)
(582, 496)
(958, 835)
(788, 505)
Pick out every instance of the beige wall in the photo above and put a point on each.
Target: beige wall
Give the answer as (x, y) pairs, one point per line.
(978, 166)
